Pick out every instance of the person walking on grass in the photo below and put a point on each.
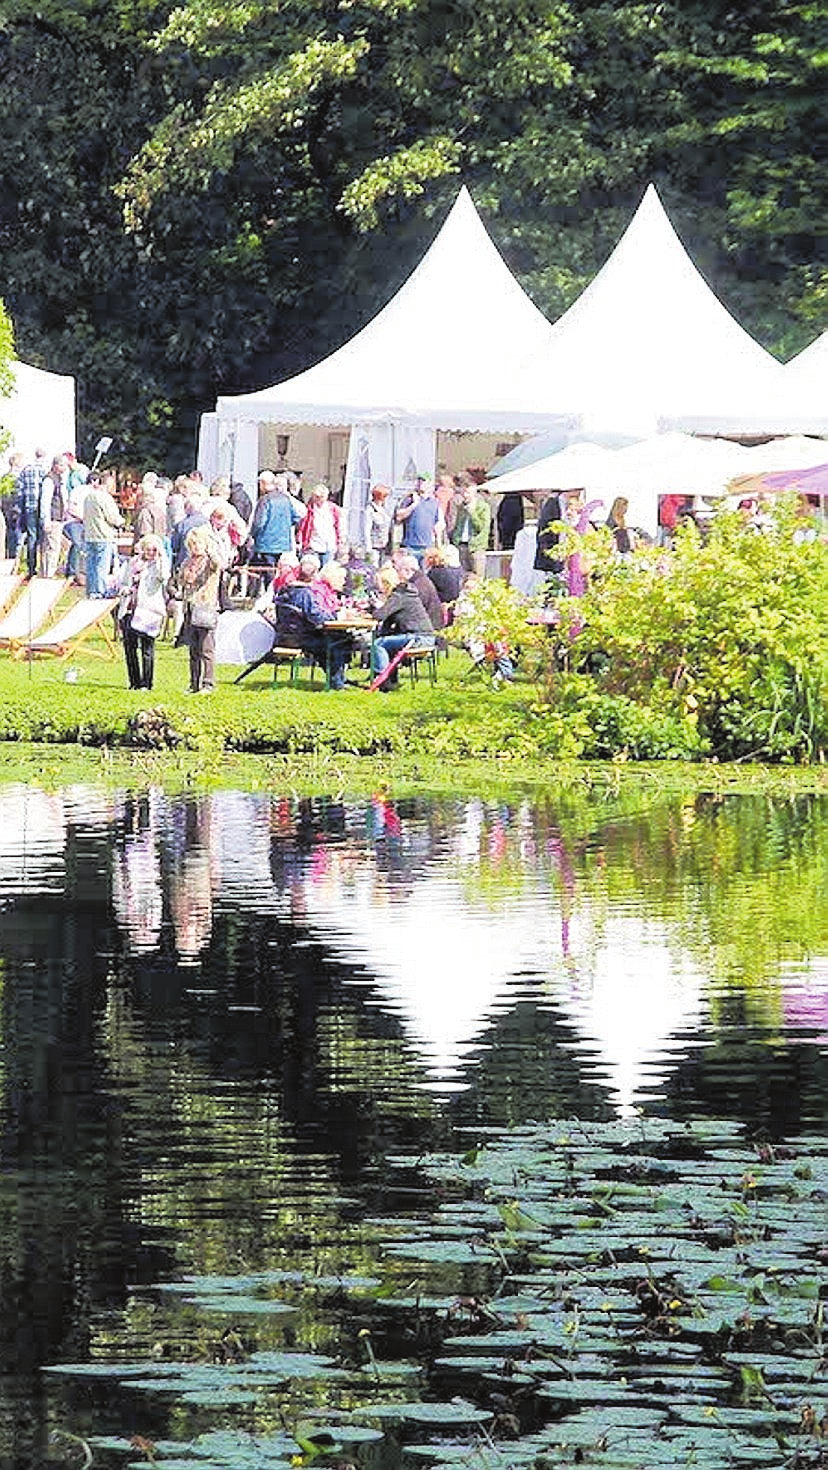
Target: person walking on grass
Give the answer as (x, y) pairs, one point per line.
(196, 584)
(142, 608)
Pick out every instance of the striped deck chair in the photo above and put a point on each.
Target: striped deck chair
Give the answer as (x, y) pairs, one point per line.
(35, 604)
(10, 582)
(64, 638)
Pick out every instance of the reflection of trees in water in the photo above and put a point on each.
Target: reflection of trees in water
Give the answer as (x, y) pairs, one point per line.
(145, 1125)
(728, 891)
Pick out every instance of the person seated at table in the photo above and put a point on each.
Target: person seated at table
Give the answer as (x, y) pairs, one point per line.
(329, 586)
(409, 570)
(287, 568)
(402, 622)
(442, 566)
(300, 618)
(361, 577)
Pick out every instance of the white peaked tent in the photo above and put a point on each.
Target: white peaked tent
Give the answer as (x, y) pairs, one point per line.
(648, 340)
(39, 412)
(809, 369)
(442, 354)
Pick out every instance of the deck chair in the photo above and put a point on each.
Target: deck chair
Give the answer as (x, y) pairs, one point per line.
(36, 603)
(64, 638)
(9, 584)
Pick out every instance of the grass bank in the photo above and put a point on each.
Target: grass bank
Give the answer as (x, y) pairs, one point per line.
(463, 734)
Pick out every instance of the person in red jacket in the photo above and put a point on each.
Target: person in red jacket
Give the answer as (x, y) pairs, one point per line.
(321, 529)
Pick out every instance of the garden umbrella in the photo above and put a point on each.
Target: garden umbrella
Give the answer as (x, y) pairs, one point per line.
(813, 481)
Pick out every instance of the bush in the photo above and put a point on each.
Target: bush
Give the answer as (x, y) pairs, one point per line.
(724, 635)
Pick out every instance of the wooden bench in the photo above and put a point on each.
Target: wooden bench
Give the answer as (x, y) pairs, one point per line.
(289, 658)
(414, 657)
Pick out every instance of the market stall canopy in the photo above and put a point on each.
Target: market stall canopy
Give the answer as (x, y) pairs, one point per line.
(39, 413)
(648, 341)
(541, 446)
(397, 369)
(791, 459)
(794, 453)
(811, 482)
(669, 463)
(576, 466)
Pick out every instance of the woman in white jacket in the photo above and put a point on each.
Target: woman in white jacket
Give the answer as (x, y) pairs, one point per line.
(142, 608)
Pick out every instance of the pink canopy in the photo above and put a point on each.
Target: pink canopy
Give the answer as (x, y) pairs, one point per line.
(813, 481)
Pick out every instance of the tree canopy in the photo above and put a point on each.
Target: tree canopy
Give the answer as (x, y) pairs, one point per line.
(206, 197)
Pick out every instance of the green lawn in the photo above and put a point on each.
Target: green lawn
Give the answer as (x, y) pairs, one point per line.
(86, 700)
(460, 736)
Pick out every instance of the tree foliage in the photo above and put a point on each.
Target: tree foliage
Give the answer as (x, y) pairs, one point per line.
(6, 353)
(205, 197)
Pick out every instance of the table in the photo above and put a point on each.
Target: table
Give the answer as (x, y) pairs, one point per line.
(346, 622)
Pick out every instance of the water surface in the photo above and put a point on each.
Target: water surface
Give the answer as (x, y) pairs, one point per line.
(224, 1014)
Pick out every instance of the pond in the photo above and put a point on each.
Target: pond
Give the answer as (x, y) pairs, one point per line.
(247, 1039)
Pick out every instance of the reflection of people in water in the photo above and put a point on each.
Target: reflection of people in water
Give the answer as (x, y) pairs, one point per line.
(300, 837)
(191, 878)
(137, 894)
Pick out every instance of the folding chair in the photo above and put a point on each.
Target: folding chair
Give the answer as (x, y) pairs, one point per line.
(65, 637)
(9, 584)
(31, 610)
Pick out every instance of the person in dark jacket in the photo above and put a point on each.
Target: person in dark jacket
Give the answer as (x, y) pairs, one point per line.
(442, 565)
(409, 570)
(546, 559)
(509, 519)
(402, 622)
(302, 621)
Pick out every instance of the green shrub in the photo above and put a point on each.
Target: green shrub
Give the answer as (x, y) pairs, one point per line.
(726, 633)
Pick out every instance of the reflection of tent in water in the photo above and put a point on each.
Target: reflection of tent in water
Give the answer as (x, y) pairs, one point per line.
(446, 967)
(449, 968)
(33, 828)
(635, 999)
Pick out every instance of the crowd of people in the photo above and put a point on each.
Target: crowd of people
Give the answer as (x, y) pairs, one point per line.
(178, 553)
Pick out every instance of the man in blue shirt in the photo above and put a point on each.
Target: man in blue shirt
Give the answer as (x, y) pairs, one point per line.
(421, 518)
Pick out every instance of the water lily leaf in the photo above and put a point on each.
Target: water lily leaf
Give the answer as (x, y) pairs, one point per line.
(473, 1457)
(216, 1398)
(290, 1365)
(343, 1433)
(456, 1252)
(238, 1448)
(457, 1411)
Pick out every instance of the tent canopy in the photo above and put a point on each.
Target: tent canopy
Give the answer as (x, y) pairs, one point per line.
(809, 368)
(39, 412)
(797, 404)
(443, 353)
(648, 339)
(666, 463)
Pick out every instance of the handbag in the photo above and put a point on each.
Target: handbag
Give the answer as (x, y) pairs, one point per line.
(203, 617)
(144, 620)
